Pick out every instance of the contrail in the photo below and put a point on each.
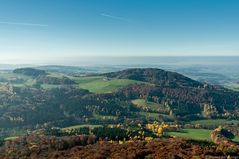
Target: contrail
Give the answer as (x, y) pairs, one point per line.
(114, 17)
(23, 24)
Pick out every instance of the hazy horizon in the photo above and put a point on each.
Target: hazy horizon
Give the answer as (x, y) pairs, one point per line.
(126, 60)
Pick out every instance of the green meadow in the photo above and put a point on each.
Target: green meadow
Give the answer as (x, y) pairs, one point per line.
(81, 126)
(146, 104)
(215, 122)
(99, 84)
(197, 134)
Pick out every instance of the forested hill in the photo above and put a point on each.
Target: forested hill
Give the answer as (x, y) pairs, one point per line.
(186, 98)
(29, 72)
(32, 97)
(156, 76)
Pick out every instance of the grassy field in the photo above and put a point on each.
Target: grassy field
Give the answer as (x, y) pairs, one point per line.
(216, 122)
(104, 117)
(11, 138)
(98, 84)
(197, 134)
(155, 116)
(236, 139)
(233, 86)
(80, 126)
(141, 103)
(50, 86)
(155, 107)
(57, 74)
(95, 84)
(12, 78)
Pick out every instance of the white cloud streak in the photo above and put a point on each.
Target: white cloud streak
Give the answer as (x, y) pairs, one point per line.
(23, 24)
(114, 17)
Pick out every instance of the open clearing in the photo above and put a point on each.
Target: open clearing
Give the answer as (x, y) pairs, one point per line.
(215, 122)
(197, 134)
(141, 103)
(99, 84)
(81, 126)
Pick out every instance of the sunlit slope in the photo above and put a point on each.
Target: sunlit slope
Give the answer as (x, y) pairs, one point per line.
(100, 84)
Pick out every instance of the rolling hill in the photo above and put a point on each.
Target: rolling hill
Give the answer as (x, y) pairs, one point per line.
(110, 98)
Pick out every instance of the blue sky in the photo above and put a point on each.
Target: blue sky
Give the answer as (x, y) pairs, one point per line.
(38, 29)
